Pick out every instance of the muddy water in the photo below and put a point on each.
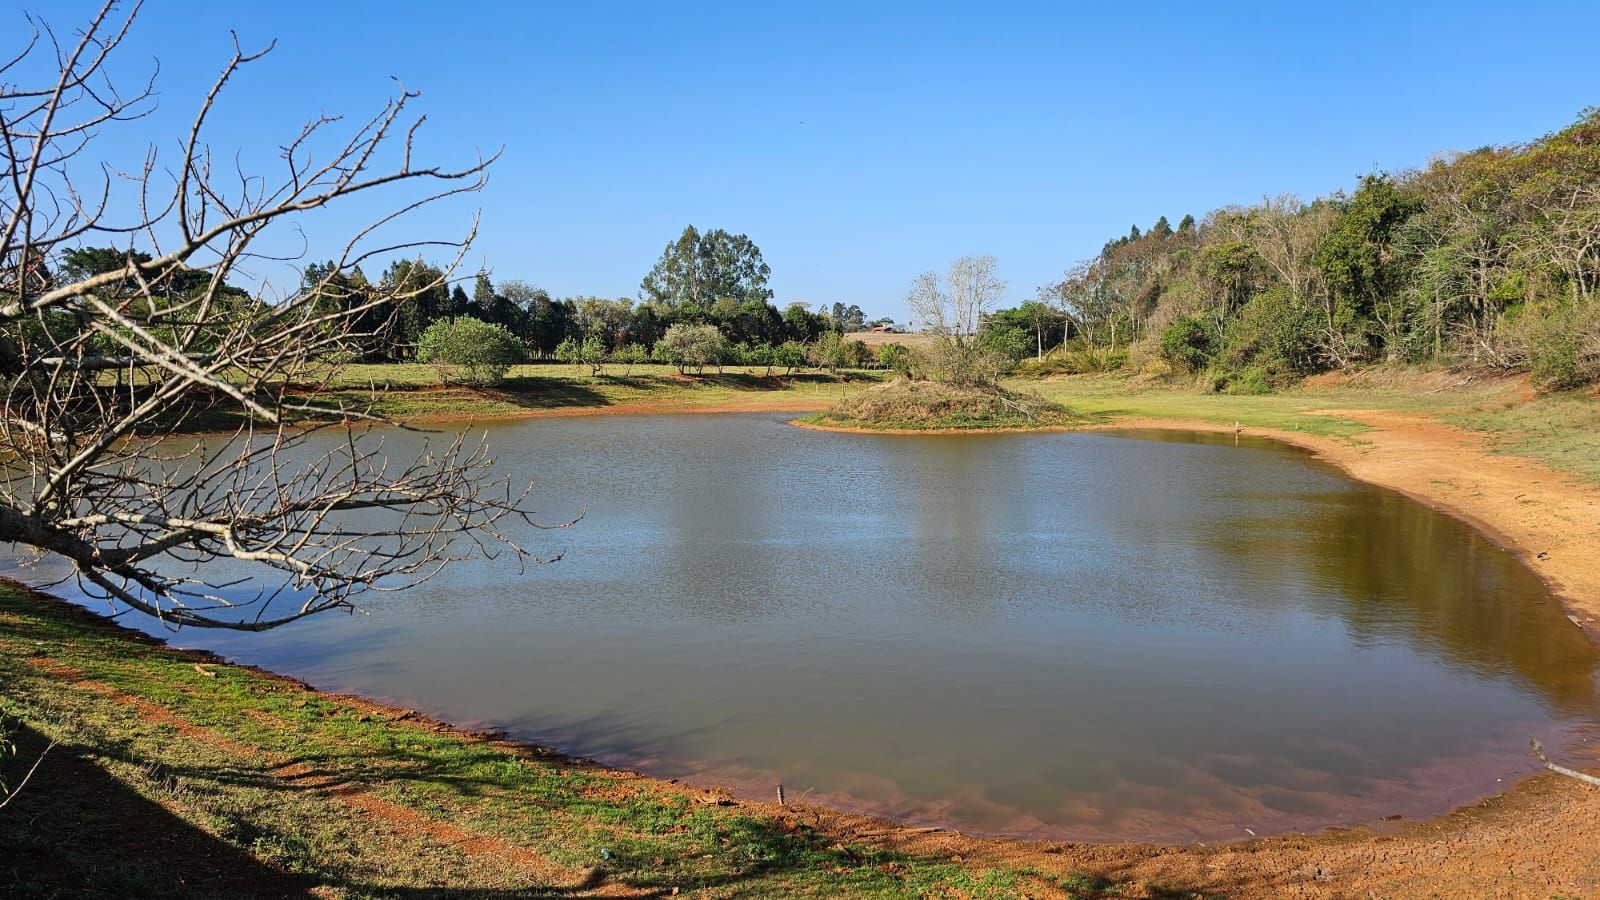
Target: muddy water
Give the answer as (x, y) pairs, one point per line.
(1090, 636)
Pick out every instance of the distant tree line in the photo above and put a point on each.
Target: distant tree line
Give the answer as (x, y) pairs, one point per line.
(716, 280)
(705, 303)
(1486, 258)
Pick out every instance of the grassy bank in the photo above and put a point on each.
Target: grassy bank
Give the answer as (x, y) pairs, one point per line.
(173, 778)
(413, 391)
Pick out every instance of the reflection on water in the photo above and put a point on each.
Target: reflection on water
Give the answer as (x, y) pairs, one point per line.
(1081, 635)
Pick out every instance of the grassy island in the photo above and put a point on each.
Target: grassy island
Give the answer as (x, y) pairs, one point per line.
(927, 406)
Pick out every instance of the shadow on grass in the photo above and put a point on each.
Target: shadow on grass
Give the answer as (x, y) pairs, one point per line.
(75, 831)
(547, 392)
(767, 848)
(538, 392)
(776, 855)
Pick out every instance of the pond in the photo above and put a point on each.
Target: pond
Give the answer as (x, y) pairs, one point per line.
(1146, 635)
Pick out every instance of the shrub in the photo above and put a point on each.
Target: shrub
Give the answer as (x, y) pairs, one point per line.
(469, 351)
(588, 351)
(1186, 343)
(967, 362)
(896, 358)
(692, 345)
(1080, 360)
(1561, 346)
(1276, 334)
(1054, 363)
(630, 355)
(1250, 380)
(860, 354)
(1085, 360)
(1010, 343)
(790, 354)
(763, 355)
(829, 351)
(1557, 364)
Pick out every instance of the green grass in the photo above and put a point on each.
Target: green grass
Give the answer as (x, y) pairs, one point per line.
(236, 790)
(410, 391)
(1111, 398)
(1561, 430)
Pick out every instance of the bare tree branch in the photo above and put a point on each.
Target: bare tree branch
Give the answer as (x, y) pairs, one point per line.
(304, 506)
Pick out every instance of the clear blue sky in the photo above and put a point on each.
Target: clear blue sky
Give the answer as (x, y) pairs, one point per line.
(859, 144)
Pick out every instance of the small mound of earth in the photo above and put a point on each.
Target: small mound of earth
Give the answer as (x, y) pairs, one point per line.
(904, 405)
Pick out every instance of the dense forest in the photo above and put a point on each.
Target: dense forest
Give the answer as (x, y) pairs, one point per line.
(1485, 258)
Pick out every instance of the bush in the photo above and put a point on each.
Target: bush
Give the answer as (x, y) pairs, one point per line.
(469, 351)
(1086, 360)
(1186, 343)
(1561, 346)
(759, 355)
(630, 355)
(589, 351)
(691, 345)
(1010, 343)
(1054, 363)
(965, 362)
(790, 354)
(829, 351)
(1080, 360)
(1557, 365)
(896, 358)
(860, 354)
(1250, 380)
(1275, 334)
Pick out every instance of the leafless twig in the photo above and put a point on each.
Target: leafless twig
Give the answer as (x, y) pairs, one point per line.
(11, 793)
